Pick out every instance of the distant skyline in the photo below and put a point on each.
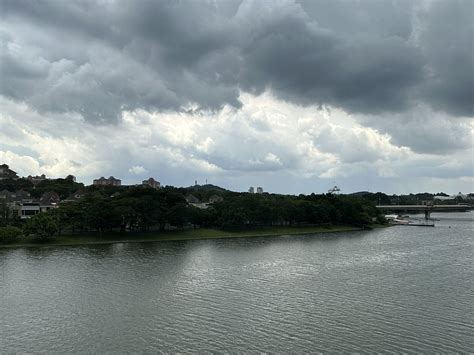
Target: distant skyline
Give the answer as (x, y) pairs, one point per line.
(293, 96)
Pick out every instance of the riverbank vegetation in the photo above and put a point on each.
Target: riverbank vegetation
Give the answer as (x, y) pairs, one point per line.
(133, 212)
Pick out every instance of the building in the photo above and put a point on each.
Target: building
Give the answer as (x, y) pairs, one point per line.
(251, 190)
(151, 183)
(200, 205)
(26, 210)
(111, 181)
(194, 201)
(5, 195)
(215, 198)
(7, 173)
(191, 199)
(76, 196)
(453, 198)
(24, 206)
(260, 190)
(35, 180)
(12, 198)
(462, 196)
(29, 209)
(49, 198)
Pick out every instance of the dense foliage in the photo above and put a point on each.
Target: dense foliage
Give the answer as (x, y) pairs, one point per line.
(9, 234)
(63, 187)
(7, 215)
(137, 208)
(42, 226)
(141, 209)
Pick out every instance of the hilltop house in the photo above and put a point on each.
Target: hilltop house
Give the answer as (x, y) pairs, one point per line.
(36, 179)
(7, 173)
(71, 178)
(111, 181)
(151, 183)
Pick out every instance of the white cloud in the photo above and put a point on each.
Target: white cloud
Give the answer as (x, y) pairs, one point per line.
(23, 165)
(137, 170)
(299, 149)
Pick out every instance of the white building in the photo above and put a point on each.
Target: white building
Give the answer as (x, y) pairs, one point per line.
(29, 209)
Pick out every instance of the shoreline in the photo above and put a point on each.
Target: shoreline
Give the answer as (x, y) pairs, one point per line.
(189, 234)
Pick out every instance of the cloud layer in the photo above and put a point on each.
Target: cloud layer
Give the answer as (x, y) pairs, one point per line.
(283, 147)
(99, 58)
(300, 90)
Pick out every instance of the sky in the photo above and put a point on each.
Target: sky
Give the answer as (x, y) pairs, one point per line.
(293, 96)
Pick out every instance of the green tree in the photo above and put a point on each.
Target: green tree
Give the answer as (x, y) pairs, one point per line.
(9, 234)
(42, 225)
(15, 185)
(63, 187)
(178, 215)
(7, 215)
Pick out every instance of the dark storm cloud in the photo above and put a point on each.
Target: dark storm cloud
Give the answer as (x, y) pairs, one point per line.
(448, 45)
(99, 58)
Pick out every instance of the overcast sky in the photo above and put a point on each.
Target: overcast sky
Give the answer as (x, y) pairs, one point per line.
(291, 96)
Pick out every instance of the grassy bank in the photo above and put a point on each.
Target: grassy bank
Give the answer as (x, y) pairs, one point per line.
(189, 234)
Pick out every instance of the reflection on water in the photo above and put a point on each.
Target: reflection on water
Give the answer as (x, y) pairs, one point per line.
(401, 289)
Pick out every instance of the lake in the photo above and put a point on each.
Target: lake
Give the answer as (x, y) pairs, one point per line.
(397, 289)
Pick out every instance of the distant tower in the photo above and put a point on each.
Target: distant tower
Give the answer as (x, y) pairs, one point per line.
(334, 190)
(251, 190)
(195, 182)
(260, 190)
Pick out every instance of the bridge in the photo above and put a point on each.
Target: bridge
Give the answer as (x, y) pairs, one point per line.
(426, 209)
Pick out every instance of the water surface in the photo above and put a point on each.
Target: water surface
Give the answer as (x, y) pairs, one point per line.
(399, 289)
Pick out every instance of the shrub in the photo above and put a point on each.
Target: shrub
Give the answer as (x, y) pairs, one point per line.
(42, 225)
(381, 219)
(9, 234)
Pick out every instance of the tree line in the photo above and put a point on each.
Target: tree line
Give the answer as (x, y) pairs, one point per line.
(130, 209)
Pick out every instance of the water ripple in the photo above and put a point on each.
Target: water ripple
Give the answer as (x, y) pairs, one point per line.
(396, 290)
